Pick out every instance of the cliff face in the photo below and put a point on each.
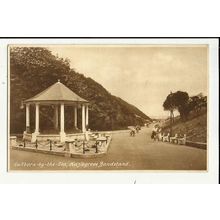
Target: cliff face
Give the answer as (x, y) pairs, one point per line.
(34, 69)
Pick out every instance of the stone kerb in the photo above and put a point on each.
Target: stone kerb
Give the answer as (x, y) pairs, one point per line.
(196, 144)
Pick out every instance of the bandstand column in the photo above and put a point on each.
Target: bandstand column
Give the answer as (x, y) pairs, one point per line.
(37, 118)
(62, 132)
(27, 118)
(62, 118)
(36, 132)
(83, 119)
(56, 116)
(87, 116)
(75, 117)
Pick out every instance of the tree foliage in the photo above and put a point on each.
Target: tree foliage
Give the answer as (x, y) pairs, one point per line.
(177, 101)
(181, 102)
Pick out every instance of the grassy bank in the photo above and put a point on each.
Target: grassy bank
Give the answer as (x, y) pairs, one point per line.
(195, 128)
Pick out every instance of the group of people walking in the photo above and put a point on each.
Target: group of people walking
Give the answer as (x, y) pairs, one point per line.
(156, 132)
(135, 130)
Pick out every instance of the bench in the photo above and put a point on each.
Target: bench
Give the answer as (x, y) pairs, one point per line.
(182, 140)
(174, 139)
(101, 139)
(13, 141)
(165, 138)
(68, 145)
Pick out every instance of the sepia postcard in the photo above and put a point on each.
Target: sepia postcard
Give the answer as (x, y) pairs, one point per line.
(100, 107)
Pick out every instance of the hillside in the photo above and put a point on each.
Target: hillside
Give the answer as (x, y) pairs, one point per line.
(33, 69)
(195, 128)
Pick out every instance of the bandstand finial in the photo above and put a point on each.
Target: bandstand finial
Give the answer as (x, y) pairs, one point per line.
(58, 80)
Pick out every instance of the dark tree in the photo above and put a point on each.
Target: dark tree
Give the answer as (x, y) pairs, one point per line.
(177, 101)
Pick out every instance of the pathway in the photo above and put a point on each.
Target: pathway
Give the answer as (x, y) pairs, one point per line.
(125, 153)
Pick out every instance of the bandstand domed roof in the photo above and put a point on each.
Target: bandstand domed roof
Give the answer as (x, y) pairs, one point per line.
(56, 93)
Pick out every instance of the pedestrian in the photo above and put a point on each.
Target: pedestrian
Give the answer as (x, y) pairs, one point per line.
(158, 135)
(132, 132)
(137, 128)
(154, 132)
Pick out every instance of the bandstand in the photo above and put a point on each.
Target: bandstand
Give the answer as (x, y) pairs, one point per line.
(59, 96)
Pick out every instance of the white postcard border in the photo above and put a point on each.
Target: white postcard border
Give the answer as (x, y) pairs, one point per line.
(115, 176)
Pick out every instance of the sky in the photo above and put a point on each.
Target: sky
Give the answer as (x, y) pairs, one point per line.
(141, 75)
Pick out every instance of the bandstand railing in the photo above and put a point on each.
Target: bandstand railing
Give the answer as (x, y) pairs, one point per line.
(53, 145)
